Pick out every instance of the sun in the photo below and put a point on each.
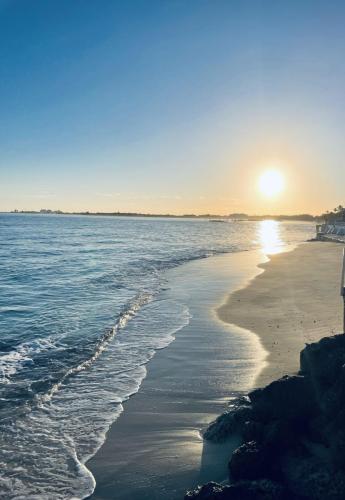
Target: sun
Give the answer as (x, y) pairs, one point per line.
(271, 183)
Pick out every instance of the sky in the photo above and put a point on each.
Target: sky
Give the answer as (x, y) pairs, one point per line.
(171, 106)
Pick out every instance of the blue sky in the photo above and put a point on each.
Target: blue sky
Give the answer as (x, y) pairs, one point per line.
(171, 106)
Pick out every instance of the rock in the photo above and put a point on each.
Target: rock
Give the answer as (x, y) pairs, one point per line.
(252, 431)
(288, 398)
(322, 360)
(280, 434)
(331, 398)
(311, 478)
(258, 490)
(230, 422)
(249, 461)
(318, 430)
(293, 432)
(209, 491)
(245, 490)
(337, 449)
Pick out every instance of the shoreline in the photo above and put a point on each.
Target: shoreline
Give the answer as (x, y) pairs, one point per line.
(291, 428)
(154, 450)
(294, 300)
(156, 441)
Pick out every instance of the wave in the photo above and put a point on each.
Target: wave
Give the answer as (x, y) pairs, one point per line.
(15, 360)
(61, 364)
(18, 358)
(88, 399)
(128, 313)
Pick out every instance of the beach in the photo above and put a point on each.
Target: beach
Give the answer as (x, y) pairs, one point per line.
(102, 337)
(155, 450)
(296, 300)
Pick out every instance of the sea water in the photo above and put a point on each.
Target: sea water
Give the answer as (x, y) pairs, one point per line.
(83, 308)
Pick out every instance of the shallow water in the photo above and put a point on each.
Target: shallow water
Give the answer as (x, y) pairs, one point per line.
(85, 303)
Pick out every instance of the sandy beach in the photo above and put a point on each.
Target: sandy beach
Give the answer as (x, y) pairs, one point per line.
(154, 450)
(294, 301)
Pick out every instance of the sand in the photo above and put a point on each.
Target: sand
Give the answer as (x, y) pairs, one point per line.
(296, 300)
(154, 450)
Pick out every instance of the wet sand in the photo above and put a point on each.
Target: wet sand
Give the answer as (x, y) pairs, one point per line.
(154, 450)
(296, 300)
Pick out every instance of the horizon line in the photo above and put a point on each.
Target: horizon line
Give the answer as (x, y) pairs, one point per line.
(234, 215)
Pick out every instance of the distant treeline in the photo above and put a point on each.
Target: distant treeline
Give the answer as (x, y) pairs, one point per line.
(298, 217)
(233, 216)
(335, 215)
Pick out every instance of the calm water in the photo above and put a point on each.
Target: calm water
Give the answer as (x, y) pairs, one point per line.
(83, 309)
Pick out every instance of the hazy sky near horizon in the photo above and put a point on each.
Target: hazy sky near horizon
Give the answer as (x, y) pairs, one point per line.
(171, 106)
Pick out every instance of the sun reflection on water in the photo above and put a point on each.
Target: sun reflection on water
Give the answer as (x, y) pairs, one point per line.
(269, 236)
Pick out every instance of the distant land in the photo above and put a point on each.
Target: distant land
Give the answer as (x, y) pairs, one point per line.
(233, 216)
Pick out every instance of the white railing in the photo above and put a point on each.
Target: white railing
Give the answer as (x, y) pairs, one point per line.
(332, 230)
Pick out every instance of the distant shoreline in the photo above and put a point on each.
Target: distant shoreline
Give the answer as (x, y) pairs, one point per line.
(230, 217)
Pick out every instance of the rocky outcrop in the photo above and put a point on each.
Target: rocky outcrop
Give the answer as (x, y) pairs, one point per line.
(245, 490)
(230, 422)
(289, 398)
(292, 432)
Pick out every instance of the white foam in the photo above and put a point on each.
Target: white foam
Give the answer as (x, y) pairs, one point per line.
(14, 361)
(53, 442)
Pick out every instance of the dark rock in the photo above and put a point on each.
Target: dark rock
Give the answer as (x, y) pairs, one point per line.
(230, 422)
(209, 491)
(280, 434)
(288, 398)
(258, 490)
(322, 360)
(245, 490)
(253, 431)
(337, 449)
(249, 461)
(293, 432)
(332, 398)
(318, 430)
(311, 478)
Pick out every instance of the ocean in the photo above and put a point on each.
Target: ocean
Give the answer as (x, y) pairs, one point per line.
(84, 307)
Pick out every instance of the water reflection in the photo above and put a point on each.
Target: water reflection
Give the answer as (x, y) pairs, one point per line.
(269, 236)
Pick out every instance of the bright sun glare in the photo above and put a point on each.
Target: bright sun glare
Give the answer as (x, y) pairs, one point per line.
(271, 183)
